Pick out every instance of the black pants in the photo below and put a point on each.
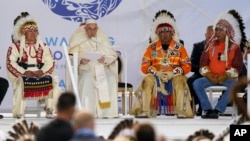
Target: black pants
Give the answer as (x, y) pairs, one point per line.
(245, 97)
(4, 85)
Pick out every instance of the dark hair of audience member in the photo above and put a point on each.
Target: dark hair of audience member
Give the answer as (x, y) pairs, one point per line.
(66, 101)
(145, 132)
(201, 134)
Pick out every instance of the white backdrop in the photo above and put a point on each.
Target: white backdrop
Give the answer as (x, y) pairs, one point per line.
(128, 25)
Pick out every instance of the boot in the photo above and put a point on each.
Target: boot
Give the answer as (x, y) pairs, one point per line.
(49, 113)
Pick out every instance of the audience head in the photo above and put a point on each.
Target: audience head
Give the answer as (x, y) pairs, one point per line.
(201, 135)
(66, 104)
(91, 28)
(84, 119)
(145, 132)
(209, 32)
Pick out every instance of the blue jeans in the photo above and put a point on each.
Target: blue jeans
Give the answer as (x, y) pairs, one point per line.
(201, 84)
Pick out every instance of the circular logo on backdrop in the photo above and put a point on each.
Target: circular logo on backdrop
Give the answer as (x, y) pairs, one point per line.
(81, 11)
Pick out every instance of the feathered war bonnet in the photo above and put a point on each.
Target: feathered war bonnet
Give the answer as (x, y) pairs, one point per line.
(232, 23)
(23, 23)
(163, 21)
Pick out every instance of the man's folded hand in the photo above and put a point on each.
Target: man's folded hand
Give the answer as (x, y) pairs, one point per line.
(162, 75)
(222, 78)
(211, 77)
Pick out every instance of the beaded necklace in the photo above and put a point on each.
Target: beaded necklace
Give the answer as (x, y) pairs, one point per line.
(165, 55)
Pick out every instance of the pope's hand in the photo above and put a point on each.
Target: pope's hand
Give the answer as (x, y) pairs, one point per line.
(101, 60)
(84, 61)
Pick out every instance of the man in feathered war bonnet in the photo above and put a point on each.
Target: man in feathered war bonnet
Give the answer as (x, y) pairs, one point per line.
(165, 62)
(30, 67)
(221, 62)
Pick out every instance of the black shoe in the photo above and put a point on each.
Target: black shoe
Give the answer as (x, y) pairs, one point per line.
(1, 116)
(211, 114)
(216, 111)
(199, 112)
(230, 104)
(245, 97)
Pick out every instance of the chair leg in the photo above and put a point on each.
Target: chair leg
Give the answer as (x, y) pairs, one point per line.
(130, 100)
(123, 103)
(193, 105)
(211, 96)
(38, 108)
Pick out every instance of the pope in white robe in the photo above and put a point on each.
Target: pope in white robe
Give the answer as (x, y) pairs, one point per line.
(97, 70)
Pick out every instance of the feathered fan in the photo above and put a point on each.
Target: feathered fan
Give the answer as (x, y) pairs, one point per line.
(126, 124)
(23, 132)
